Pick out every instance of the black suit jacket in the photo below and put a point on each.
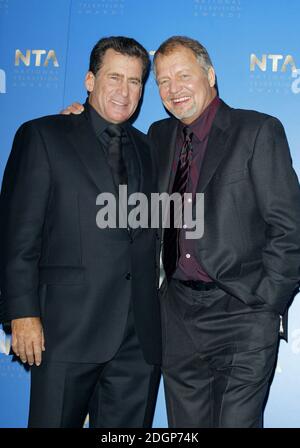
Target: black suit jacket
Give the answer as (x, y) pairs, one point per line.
(56, 263)
(251, 241)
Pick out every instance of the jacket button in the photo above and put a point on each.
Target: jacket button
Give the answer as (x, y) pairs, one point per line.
(128, 276)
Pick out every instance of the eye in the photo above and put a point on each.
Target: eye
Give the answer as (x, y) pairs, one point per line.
(135, 82)
(162, 82)
(114, 77)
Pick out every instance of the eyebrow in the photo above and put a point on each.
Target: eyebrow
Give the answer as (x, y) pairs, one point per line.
(185, 69)
(122, 76)
(135, 78)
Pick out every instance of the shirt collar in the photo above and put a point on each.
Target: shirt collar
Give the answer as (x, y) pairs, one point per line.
(202, 125)
(99, 124)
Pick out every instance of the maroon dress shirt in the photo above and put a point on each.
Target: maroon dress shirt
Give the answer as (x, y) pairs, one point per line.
(188, 267)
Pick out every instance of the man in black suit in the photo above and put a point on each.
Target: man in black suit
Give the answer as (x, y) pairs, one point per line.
(224, 294)
(75, 294)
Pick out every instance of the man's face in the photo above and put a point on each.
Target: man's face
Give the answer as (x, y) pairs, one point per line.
(116, 89)
(185, 88)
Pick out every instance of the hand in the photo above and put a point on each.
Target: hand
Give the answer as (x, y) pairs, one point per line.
(75, 108)
(28, 339)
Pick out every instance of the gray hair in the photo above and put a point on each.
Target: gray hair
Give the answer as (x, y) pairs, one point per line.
(171, 44)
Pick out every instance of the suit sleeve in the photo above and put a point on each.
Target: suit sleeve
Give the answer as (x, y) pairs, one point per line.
(23, 203)
(278, 196)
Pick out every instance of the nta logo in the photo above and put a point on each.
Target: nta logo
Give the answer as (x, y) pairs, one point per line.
(2, 81)
(278, 62)
(40, 57)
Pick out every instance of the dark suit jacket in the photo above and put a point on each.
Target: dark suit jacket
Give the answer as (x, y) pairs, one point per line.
(251, 242)
(56, 263)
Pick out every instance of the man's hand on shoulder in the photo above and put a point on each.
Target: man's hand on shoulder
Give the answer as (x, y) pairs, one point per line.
(74, 108)
(28, 339)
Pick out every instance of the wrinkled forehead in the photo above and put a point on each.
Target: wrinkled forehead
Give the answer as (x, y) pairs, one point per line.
(121, 63)
(176, 50)
(177, 59)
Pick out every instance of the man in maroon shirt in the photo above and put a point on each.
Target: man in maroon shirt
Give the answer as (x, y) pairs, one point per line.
(225, 293)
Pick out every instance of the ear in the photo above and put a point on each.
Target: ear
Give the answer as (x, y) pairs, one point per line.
(211, 76)
(89, 81)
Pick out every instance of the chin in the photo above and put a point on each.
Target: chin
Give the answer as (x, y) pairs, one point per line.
(119, 116)
(116, 118)
(190, 115)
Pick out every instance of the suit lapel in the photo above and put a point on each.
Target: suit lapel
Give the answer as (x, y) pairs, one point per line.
(145, 166)
(137, 152)
(217, 146)
(215, 151)
(91, 154)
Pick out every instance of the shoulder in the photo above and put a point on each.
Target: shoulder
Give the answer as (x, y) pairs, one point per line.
(163, 125)
(252, 119)
(51, 123)
(40, 131)
(252, 116)
(162, 129)
(247, 123)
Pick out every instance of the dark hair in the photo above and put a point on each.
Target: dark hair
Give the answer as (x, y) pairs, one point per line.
(122, 45)
(171, 44)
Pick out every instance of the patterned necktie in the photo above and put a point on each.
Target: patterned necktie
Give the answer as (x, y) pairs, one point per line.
(171, 235)
(114, 154)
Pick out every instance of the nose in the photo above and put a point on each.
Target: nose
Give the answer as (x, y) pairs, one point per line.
(124, 88)
(174, 86)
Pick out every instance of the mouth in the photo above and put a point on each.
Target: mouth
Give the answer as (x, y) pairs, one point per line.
(180, 100)
(119, 103)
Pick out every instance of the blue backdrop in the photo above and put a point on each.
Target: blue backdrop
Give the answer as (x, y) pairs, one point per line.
(255, 47)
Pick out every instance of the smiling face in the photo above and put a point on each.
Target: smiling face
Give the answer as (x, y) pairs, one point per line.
(184, 86)
(116, 89)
